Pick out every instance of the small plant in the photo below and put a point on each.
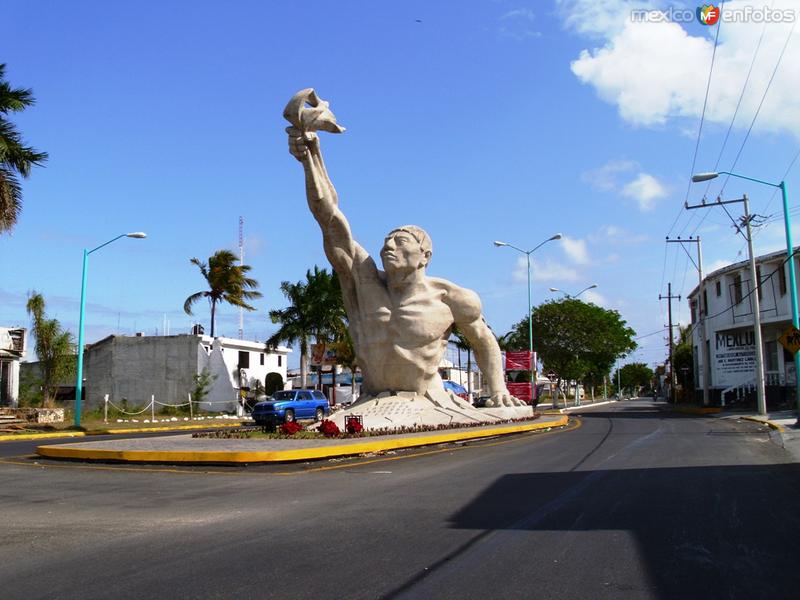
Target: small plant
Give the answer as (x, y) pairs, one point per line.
(290, 428)
(202, 385)
(353, 426)
(329, 428)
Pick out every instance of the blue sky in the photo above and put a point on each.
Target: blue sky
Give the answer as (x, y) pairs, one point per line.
(478, 121)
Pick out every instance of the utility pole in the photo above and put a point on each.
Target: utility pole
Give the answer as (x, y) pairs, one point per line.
(746, 220)
(669, 297)
(702, 310)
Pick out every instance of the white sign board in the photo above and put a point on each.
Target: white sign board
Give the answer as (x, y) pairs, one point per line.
(734, 357)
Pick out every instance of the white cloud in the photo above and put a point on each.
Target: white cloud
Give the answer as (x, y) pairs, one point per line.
(575, 250)
(598, 18)
(595, 298)
(645, 189)
(516, 24)
(519, 13)
(548, 271)
(614, 234)
(605, 177)
(655, 72)
(717, 264)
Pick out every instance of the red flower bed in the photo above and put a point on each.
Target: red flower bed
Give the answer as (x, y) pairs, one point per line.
(329, 428)
(353, 426)
(290, 428)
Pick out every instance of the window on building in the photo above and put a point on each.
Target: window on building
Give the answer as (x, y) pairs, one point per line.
(758, 283)
(705, 301)
(771, 356)
(244, 359)
(737, 289)
(719, 288)
(279, 360)
(262, 359)
(694, 311)
(782, 279)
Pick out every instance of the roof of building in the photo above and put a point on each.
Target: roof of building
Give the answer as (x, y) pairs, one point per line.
(741, 264)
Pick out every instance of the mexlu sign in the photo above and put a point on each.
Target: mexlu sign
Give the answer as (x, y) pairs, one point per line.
(736, 339)
(735, 357)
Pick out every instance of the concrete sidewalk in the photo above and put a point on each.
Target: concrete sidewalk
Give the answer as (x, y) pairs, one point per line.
(783, 423)
(186, 449)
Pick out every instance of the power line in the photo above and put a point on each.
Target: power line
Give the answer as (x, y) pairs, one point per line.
(702, 115)
(760, 104)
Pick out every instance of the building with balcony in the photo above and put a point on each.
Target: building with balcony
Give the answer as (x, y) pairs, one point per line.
(725, 302)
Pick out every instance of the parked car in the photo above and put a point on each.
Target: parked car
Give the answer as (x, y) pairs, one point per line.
(286, 406)
(458, 390)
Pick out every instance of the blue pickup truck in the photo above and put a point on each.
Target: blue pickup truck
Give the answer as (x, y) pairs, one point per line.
(286, 406)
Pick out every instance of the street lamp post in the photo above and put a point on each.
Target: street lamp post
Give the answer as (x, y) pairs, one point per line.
(787, 226)
(574, 296)
(527, 254)
(79, 375)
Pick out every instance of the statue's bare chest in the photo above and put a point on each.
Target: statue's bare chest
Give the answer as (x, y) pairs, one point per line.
(419, 319)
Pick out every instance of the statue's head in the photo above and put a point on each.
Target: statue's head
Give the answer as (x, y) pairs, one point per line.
(406, 247)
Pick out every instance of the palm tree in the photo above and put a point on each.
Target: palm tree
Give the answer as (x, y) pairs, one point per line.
(15, 157)
(54, 347)
(315, 310)
(462, 343)
(227, 282)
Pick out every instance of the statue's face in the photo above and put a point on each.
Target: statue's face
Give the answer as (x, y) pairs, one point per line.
(402, 251)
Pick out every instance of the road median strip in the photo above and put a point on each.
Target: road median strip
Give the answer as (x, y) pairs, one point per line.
(65, 434)
(181, 449)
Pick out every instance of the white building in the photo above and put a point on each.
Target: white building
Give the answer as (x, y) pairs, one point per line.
(726, 297)
(135, 368)
(13, 346)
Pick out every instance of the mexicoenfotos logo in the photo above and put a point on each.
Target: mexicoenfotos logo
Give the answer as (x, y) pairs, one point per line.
(708, 14)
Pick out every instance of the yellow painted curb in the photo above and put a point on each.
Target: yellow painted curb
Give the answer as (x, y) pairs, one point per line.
(40, 436)
(344, 449)
(766, 422)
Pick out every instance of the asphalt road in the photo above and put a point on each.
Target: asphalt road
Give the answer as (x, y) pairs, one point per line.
(629, 503)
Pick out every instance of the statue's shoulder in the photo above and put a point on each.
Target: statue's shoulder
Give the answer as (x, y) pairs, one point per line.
(464, 302)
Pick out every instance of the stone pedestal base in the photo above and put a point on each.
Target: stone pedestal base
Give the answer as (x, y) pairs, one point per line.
(409, 409)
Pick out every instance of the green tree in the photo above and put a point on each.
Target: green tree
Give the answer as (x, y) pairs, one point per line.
(15, 157)
(54, 347)
(462, 343)
(315, 310)
(575, 339)
(634, 376)
(684, 361)
(227, 282)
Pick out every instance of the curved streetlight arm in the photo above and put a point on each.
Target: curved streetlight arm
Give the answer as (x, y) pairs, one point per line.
(79, 370)
(586, 289)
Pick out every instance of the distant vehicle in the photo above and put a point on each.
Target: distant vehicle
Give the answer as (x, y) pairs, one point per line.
(480, 401)
(286, 406)
(458, 390)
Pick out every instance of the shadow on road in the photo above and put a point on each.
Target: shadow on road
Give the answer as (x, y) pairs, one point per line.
(713, 531)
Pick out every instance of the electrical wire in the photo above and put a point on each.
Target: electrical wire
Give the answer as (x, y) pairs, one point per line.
(760, 105)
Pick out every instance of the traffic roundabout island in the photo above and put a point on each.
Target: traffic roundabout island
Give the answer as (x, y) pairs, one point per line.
(186, 449)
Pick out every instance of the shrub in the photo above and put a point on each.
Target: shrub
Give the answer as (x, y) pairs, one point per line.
(290, 428)
(329, 428)
(353, 426)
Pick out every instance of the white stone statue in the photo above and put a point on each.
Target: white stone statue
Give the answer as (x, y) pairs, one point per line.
(400, 319)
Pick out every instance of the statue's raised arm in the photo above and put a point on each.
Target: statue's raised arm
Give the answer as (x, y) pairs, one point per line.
(308, 114)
